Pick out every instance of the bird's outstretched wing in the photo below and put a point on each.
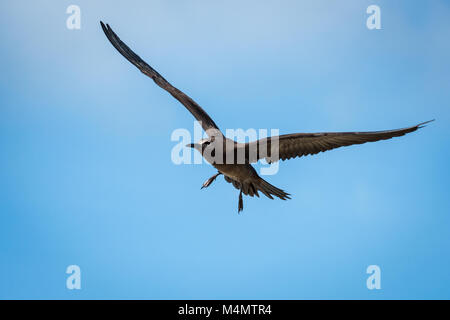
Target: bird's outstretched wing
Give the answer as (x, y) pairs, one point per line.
(301, 144)
(207, 123)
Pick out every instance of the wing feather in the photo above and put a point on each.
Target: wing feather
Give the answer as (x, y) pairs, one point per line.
(199, 114)
(301, 144)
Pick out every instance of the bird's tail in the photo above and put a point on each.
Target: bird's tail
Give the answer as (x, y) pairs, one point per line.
(269, 190)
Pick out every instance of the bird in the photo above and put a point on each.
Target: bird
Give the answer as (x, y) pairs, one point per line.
(218, 149)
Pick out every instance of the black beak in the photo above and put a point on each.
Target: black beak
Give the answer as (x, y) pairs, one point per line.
(191, 145)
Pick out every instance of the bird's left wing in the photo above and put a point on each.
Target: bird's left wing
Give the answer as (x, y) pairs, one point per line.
(289, 146)
(200, 115)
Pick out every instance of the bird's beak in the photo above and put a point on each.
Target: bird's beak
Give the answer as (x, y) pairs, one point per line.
(191, 145)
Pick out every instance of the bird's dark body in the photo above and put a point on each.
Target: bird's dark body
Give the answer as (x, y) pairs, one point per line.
(233, 160)
(239, 171)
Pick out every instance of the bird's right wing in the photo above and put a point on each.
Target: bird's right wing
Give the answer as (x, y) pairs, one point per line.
(200, 115)
(301, 144)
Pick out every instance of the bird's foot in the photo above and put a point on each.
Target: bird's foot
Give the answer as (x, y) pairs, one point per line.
(241, 202)
(208, 182)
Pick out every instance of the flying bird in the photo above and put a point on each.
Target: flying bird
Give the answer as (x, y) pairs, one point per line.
(217, 149)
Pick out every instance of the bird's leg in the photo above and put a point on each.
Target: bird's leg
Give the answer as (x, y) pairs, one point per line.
(241, 202)
(208, 182)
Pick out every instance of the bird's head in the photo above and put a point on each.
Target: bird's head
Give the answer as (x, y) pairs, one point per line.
(207, 148)
(201, 145)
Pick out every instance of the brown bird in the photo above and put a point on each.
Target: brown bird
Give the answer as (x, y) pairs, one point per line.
(233, 159)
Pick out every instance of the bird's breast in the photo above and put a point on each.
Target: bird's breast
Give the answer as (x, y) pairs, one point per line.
(238, 172)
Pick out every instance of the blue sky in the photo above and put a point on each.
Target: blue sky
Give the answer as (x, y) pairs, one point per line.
(87, 178)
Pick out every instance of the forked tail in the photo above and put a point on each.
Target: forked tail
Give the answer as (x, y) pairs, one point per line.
(269, 190)
(252, 186)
